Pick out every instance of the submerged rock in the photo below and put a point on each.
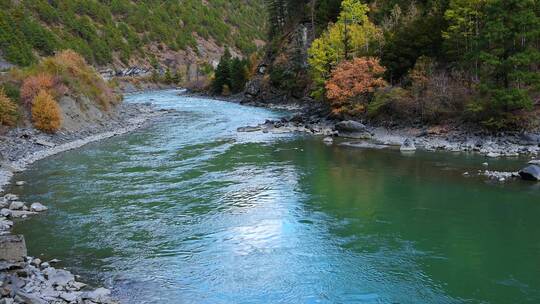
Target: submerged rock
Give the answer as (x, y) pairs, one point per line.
(408, 146)
(531, 173)
(328, 140)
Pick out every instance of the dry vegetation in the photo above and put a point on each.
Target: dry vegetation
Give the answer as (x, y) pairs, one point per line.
(46, 113)
(39, 87)
(8, 110)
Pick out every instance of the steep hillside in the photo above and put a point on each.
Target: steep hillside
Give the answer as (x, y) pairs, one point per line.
(124, 33)
(455, 62)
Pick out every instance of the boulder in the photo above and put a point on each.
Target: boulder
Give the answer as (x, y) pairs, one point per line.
(531, 173)
(350, 126)
(20, 183)
(29, 298)
(11, 197)
(408, 145)
(5, 212)
(16, 205)
(3, 203)
(58, 277)
(12, 248)
(16, 213)
(328, 140)
(38, 207)
(534, 162)
(100, 295)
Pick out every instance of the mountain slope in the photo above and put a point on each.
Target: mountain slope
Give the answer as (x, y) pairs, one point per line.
(121, 33)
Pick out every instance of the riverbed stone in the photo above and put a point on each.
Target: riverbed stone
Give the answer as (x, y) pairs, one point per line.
(12, 248)
(11, 197)
(58, 277)
(350, 126)
(38, 207)
(100, 295)
(5, 212)
(20, 183)
(328, 140)
(530, 173)
(408, 145)
(17, 213)
(249, 129)
(16, 205)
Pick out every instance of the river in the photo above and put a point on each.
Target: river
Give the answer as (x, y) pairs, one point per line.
(191, 211)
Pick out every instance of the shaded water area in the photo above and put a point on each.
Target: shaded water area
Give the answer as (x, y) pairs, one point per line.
(190, 211)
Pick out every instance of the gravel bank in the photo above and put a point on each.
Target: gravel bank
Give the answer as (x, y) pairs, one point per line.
(21, 147)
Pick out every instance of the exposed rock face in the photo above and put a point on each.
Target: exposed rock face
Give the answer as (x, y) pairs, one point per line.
(12, 248)
(289, 60)
(531, 173)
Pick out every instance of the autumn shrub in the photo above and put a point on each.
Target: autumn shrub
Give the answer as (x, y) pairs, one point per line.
(34, 84)
(46, 113)
(352, 85)
(8, 110)
(78, 77)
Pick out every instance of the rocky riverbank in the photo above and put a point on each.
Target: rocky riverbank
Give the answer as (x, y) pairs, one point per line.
(20, 147)
(313, 120)
(24, 279)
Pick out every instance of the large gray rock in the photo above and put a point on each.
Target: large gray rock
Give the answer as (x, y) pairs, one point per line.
(29, 298)
(38, 207)
(11, 197)
(350, 126)
(100, 295)
(531, 173)
(58, 277)
(16, 205)
(12, 248)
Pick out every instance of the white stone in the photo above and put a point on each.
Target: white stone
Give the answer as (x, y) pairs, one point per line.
(11, 197)
(20, 183)
(16, 206)
(38, 207)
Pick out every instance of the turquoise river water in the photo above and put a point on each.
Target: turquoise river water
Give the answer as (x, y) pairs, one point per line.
(190, 211)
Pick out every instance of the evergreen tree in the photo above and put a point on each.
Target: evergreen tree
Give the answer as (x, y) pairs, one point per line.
(223, 73)
(238, 75)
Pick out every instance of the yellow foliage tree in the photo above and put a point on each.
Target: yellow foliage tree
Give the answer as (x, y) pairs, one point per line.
(46, 113)
(353, 35)
(8, 110)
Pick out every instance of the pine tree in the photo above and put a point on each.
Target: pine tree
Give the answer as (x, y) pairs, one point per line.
(223, 73)
(238, 75)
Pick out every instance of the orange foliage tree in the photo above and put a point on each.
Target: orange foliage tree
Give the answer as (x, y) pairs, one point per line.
(46, 113)
(34, 84)
(8, 110)
(352, 84)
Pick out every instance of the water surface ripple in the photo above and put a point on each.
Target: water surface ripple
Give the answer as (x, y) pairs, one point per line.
(190, 211)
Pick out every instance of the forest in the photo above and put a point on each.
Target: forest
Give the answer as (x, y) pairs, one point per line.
(103, 30)
(431, 61)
